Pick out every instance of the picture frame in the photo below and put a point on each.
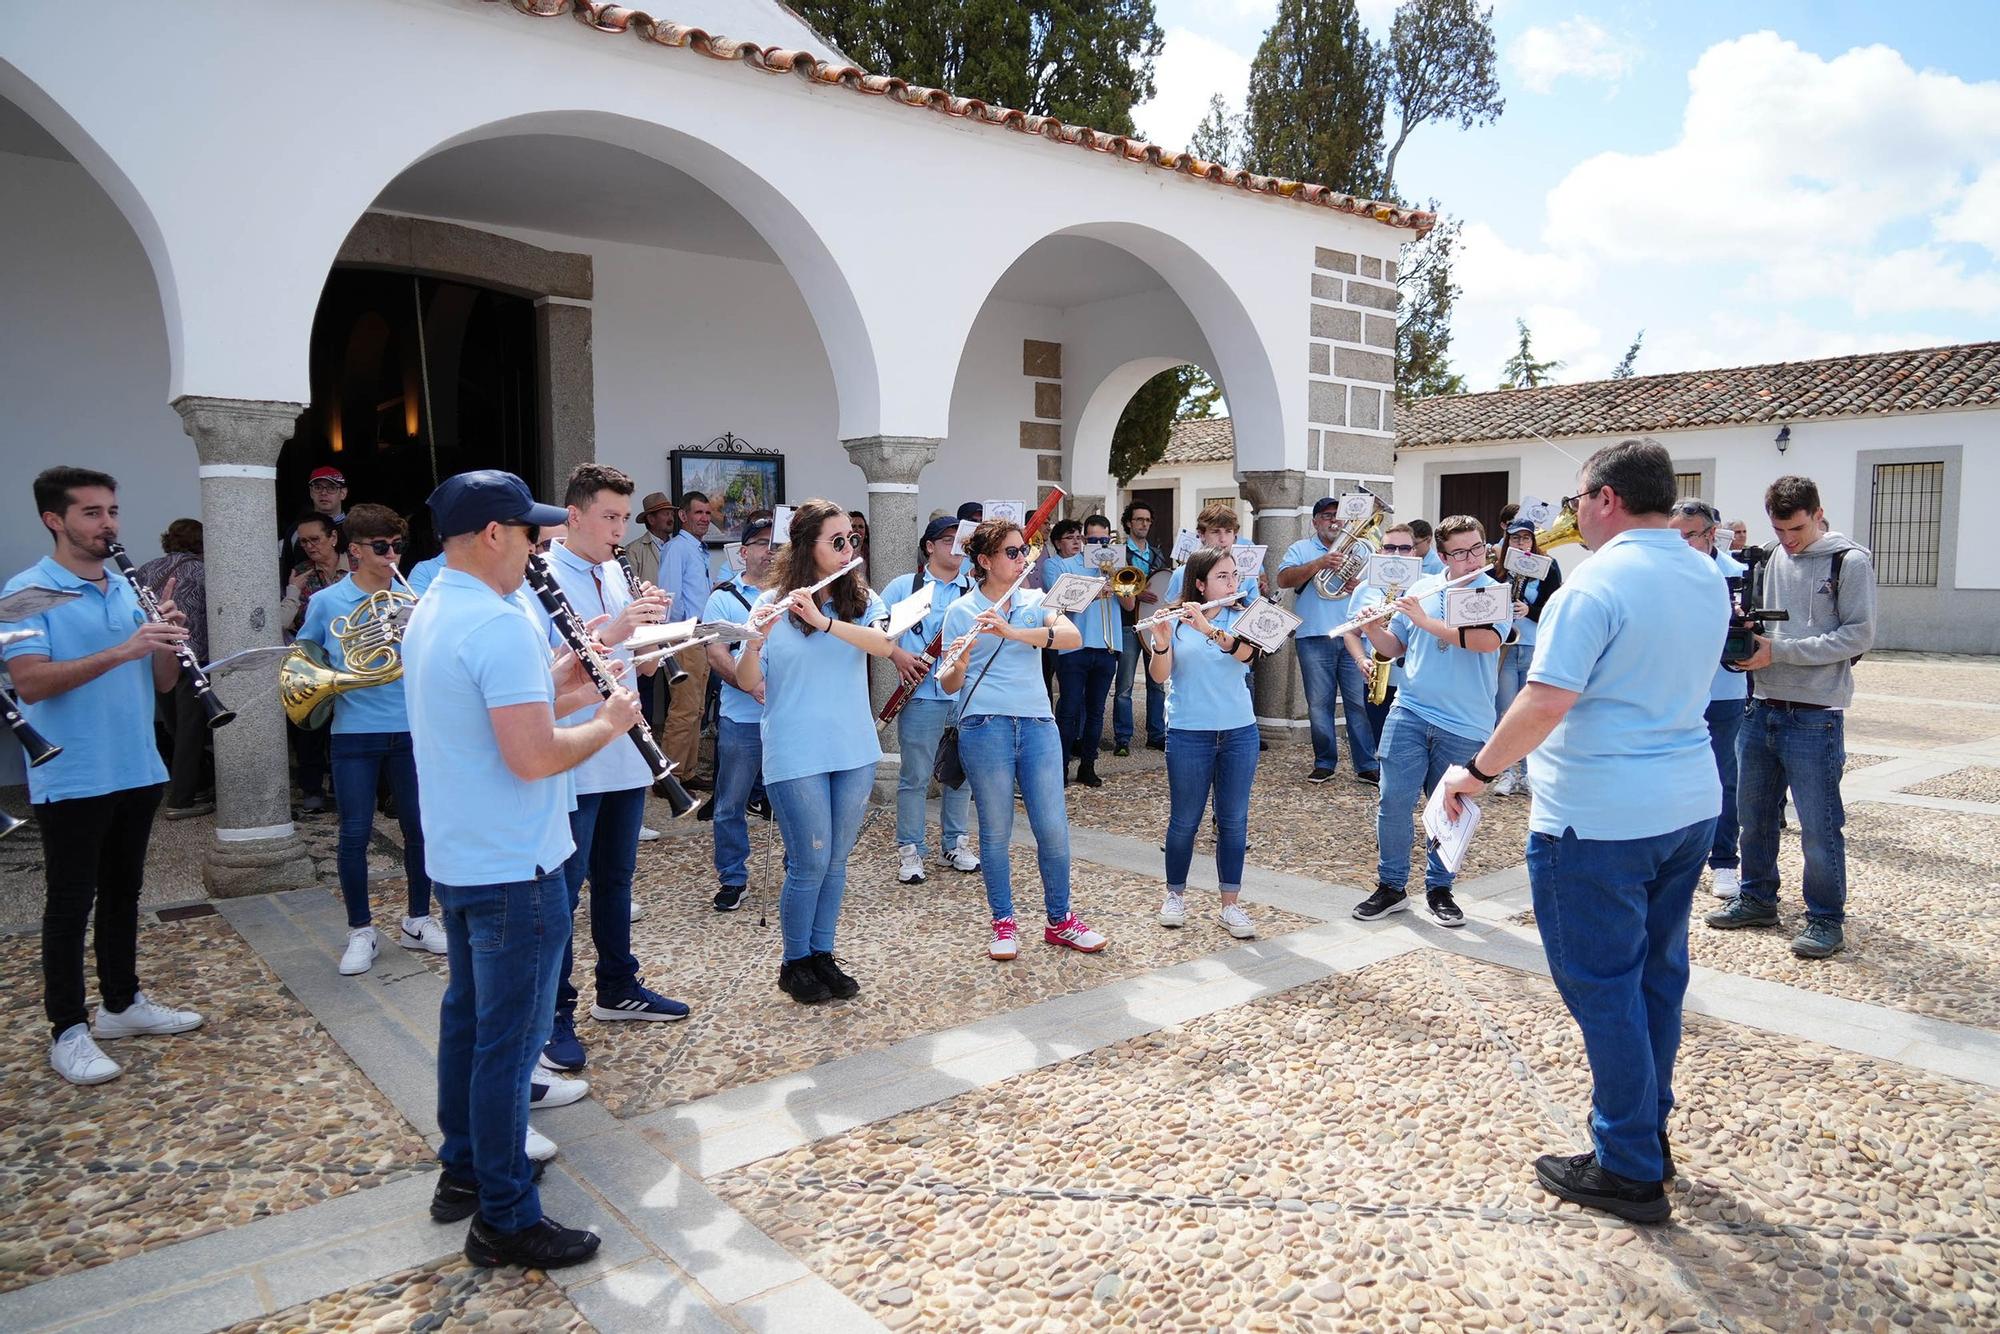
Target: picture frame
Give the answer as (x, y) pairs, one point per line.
(736, 476)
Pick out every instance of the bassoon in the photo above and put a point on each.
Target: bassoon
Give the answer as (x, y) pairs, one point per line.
(908, 689)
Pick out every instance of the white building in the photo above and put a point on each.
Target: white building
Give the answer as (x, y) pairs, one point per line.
(411, 236)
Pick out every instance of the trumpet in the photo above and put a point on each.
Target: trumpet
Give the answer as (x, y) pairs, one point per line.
(957, 651)
(219, 714)
(633, 583)
(1179, 610)
(1128, 581)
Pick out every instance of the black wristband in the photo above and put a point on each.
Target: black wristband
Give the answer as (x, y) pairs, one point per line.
(1473, 769)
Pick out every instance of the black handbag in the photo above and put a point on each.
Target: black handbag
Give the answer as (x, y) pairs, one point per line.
(946, 766)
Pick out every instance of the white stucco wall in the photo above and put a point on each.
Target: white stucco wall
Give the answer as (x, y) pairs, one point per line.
(982, 458)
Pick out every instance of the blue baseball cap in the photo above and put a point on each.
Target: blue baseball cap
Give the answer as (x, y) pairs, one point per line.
(469, 501)
(942, 526)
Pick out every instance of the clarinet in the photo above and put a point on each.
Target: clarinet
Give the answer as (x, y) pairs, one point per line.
(40, 749)
(219, 714)
(675, 672)
(543, 581)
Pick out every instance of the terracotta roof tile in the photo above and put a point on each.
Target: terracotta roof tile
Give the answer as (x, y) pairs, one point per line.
(1923, 380)
(1210, 440)
(777, 60)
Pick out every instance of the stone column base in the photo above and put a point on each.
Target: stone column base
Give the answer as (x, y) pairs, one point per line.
(257, 866)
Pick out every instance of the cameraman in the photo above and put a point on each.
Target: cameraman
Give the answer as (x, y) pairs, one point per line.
(1697, 520)
(1794, 733)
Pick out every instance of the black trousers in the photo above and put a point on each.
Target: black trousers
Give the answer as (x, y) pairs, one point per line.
(187, 760)
(93, 851)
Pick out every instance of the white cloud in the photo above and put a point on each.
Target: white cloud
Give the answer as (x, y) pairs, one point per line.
(1191, 69)
(1757, 339)
(1897, 283)
(1976, 218)
(1576, 47)
(1492, 272)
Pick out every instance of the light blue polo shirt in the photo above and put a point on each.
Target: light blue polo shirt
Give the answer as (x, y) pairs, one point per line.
(596, 590)
(1091, 620)
(1246, 580)
(1012, 687)
(105, 726)
(468, 650)
(423, 572)
(1433, 563)
(1636, 632)
(1361, 600)
(1525, 628)
(374, 709)
(919, 636)
(1728, 684)
(736, 706)
(817, 718)
(1206, 691)
(1316, 614)
(1443, 684)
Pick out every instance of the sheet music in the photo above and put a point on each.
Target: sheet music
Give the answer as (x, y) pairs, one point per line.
(912, 609)
(1450, 838)
(1072, 592)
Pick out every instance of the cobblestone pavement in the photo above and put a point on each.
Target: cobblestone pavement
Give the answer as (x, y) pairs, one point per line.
(448, 1296)
(1356, 1154)
(255, 1113)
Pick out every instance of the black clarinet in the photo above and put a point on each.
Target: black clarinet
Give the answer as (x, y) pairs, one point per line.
(40, 749)
(219, 714)
(675, 672)
(570, 626)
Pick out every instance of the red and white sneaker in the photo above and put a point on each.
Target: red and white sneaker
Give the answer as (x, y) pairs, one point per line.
(1075, 933)
(1004, 944)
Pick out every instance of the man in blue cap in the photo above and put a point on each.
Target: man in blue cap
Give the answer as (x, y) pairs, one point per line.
(483, 702)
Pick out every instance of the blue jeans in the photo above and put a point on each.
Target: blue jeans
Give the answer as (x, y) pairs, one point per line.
(1806, 751)
(1121, 709)
(1227, 761)
(1613, 916)
(739, 763)
(1329, 670)
(1083, 680)
(820, 817)
(1414, 756)
(359, 760)
(505, 943)
(605, 828)
(1725, 725)
(918, 728)
(1515, 660)
(1000, 750)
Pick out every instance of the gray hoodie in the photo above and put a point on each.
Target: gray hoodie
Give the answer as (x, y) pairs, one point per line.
(1812, 654)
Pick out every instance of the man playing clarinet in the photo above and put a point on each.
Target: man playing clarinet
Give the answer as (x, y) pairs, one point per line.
(86, 677)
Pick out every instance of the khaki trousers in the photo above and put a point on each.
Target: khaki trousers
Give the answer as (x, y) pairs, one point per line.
(682, 740)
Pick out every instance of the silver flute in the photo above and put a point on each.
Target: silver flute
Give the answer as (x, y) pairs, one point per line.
(955, 652)
(1177, 611)
(1385, 610)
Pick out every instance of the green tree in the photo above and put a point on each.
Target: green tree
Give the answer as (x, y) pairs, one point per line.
(1140, 439)
(1219, 137)
(1623, 370)
(1317, 88)
(1086, 64)
(1440, 68)
(1522, 371)
(1425, 295)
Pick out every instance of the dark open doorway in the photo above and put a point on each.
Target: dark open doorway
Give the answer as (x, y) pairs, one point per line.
(397, 412)
(1159, 499)
(1481, 494)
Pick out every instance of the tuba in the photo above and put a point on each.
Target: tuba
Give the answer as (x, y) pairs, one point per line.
(371, 638)
(1355, 542)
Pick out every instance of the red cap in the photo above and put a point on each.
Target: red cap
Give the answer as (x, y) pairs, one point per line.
(326, 474)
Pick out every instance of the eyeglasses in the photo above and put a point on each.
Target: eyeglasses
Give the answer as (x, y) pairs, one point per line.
(1398, 549)
(1569, 502)
(326, 484)
(1014, 553)
(842, 541)
(757, 542)
(1468, 553)
(382, 546)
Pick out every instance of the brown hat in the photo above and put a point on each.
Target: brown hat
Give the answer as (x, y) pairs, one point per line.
(657, 500)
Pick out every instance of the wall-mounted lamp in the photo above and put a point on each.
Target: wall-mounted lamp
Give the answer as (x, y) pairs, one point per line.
(1784, 438)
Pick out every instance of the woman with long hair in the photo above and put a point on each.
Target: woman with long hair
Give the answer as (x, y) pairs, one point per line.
(818, 733)
(1007, 732)
(1211, 732)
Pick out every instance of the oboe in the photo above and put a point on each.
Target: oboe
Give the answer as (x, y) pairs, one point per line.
(675, 672)
(219, 714)
(543, 581)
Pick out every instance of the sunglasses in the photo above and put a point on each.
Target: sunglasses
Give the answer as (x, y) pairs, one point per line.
(1015, 553)
(1398, 549)
(382, 546)
(842, 541)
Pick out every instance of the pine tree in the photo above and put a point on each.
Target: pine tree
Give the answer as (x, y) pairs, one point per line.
(1317, 88)
(1623, 370)
(1425, 295)
(1440, 68)
(1522, 371)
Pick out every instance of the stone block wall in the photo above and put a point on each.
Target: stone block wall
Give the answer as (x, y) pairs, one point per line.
(1042, 363)
(1351, 395)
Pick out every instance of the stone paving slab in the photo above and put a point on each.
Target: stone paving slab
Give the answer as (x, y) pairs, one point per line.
(1920, 722)
(1355, 1154)
(256, 1113)
(451, 1294)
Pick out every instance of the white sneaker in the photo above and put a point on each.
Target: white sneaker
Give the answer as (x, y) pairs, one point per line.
(1237, 922)
(911, 869)
(638, 910)
(1505, 784)
(648, 834)
(142, 1016)
(1726, 881)
(79, 1060)
(423, 933)
(960, 856)
(1173, 910)
(1005, 943)
(361, 951)
(551, 1090)
(540, 1147)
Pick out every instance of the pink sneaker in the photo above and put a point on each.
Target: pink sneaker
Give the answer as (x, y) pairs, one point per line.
(1004, 944)
(1074, 932)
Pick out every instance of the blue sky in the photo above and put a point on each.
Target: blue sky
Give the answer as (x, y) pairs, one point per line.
(1747, 182)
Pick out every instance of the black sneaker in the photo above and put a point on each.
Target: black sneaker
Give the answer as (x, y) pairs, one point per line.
(454, 1201)
(1122, 749)
(1159, 743)
(1380, 904)
(1581, 1180)
(1086, 774)
(1741, 912)
(1820, 939)
(1444, 911)
(730, 897)
(545, 1244)
(706, 813)
(760, 807)
(838, 983)
(1372, 777)
(1319, 775)
(802, 982)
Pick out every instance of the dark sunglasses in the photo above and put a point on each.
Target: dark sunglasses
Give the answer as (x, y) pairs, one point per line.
(382, 546)
(841, 542)
(1015, 553)
(1398, 549)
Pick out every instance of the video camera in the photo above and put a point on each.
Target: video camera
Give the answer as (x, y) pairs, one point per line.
(1746, 618)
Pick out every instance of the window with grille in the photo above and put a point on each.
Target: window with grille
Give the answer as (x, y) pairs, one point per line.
(1906, 523)
(1687, 486)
